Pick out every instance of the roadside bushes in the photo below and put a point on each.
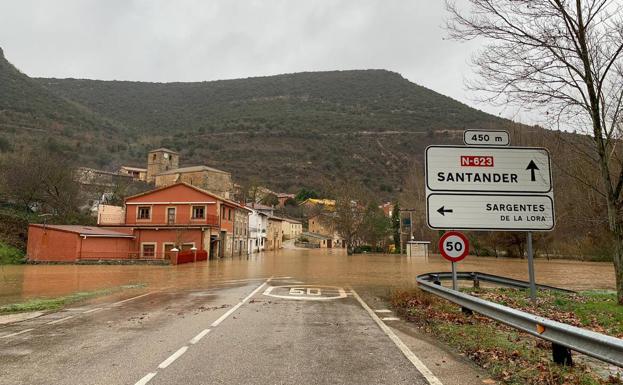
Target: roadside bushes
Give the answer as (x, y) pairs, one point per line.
(10, 255)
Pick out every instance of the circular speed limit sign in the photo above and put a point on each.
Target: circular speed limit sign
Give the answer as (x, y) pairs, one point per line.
(453, 246)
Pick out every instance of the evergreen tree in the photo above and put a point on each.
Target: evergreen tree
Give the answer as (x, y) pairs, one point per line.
(396, 226)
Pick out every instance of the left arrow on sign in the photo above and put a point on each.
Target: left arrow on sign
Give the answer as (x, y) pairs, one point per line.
(532, 167)
(442, 210)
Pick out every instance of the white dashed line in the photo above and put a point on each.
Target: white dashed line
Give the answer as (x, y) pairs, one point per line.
(146, 379)
(130, 299)
(419, 365)
(199, 336)
(233, 309)
(59, 320)
(196, 338)
(93, 310)
(173, 357)
(383, 311)
(17, 333)
(390, 319)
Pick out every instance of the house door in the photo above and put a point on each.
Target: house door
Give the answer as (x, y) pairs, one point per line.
(168, 254)
(171, 215)
(329, 243)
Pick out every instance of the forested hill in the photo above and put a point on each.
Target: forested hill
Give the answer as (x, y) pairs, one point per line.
(287, 131)
(30, 112)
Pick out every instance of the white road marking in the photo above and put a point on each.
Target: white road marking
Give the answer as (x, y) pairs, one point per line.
(310, 296)
(419, 365)
(390, 319)
(130, 299)
(383, 311)
(199, 336)
(233, 309)
(59, 320)
(17, 333)
(173, 357)
(93, 310)
(146, 379)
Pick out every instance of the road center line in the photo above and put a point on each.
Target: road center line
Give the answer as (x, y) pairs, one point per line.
(233, 309)
(130, 299)
(93, 310)
(59, 320)
(17, 333)
(199, 336)
(419, 365)
(173, 357)
(146, 379)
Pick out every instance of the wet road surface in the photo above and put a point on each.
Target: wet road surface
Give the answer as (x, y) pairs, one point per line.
(293, 317)
(282, 331)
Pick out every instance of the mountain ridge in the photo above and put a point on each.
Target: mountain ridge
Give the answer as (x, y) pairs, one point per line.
(288, 131)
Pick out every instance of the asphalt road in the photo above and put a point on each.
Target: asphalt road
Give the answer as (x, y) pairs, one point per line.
(280, 331)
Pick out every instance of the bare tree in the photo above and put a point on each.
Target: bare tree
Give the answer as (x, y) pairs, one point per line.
(562, 57)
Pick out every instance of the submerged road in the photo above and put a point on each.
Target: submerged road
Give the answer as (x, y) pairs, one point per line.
(257, 331)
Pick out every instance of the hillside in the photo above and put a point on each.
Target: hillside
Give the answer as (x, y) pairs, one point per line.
(30, 113)
(287, 131)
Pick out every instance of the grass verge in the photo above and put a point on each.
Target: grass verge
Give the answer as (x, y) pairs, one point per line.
(42, 304)
(512, 357)
(10, 255)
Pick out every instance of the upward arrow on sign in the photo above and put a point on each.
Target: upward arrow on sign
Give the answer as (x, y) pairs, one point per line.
(532, 167)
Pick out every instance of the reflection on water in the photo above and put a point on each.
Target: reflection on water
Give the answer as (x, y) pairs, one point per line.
(312, 266)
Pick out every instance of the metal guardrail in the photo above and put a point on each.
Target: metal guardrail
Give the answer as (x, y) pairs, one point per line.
(484, 277)
(600, 346)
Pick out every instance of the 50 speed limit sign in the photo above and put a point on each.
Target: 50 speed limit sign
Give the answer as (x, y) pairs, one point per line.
(453, 246)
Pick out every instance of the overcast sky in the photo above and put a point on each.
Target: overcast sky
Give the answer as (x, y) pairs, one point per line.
(195, 40)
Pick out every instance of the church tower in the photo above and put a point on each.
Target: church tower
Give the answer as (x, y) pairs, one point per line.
(161, 160)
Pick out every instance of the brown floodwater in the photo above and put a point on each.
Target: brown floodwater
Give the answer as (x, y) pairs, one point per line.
(329, 267)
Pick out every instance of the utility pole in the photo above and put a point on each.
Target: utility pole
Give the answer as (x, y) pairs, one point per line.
(402, 242)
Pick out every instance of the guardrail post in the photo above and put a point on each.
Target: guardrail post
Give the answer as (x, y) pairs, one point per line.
(436, 280)
(476, 281)
(561, 355)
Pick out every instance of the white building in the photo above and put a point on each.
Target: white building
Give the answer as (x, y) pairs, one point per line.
(258, 223)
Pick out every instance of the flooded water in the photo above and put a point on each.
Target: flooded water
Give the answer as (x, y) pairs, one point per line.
(329, 267)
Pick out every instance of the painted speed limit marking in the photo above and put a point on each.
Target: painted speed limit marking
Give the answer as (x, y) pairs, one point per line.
(453, 246)
(306, 292)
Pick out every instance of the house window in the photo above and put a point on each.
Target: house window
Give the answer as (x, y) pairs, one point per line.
(223, 212)
(198, 212)
(170, 215)
(229, 214)
(148, 250)
(144, 212)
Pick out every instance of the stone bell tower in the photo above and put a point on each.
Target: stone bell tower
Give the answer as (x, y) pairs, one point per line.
(161, 160)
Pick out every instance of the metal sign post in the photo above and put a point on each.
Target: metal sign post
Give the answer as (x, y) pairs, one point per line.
(454, 247)
(531, 269)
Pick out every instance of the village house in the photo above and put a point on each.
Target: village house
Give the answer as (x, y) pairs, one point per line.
(321, 224)
(137, 173)
(176, 217)
(313, 240)
(258, 223)
(283, 197)
(291, 228)
(274, 233)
